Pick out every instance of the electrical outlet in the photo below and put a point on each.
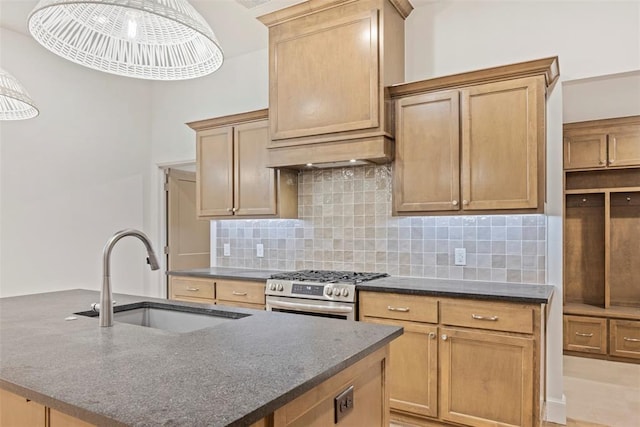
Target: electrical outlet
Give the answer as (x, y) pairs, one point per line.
(260, 250)
(460, 255)
(226, 249)
(343, 404)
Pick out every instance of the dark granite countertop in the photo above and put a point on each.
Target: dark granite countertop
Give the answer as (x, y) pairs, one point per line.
(231, 374)
(514, 292)
(226, 273)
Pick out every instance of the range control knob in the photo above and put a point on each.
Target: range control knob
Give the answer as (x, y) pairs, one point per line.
(345, 292)
(280, 287)
(337, 292)
(328, 291)
(272, 287)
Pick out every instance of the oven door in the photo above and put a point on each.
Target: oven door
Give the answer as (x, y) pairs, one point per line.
(332, 309)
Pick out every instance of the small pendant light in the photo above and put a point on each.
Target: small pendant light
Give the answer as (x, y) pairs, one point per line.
(15, 103)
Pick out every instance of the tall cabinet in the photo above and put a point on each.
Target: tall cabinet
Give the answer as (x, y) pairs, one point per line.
(602, 239)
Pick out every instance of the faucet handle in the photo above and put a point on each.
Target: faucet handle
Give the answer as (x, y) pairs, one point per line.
(96, 306)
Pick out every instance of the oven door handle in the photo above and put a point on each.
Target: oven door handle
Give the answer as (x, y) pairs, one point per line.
(310, 307)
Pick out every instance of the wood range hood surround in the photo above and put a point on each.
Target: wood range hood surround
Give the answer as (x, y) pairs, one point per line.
(330, 62)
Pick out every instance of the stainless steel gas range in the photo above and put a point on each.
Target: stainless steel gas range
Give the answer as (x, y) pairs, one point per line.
(316, 292)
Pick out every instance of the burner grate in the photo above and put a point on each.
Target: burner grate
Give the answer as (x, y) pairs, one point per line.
(328, 276)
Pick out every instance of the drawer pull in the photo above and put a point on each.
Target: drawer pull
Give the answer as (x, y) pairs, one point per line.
(491, 319)
(193, 289)
(631, 339)
(240, 294)
(401, 309)
(580, 334)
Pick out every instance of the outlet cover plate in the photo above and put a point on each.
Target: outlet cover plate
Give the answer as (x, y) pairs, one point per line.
(343, 404)
(226, 248)
(260, 250)
(460, 256)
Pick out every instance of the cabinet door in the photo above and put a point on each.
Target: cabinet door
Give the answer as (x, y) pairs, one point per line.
(624, 338)
(18, 411)
(624, 146)
(58, 419)
(214, 172)
(427, 164)
(585, 151)
(503, 135)
(324, 73)
(413, 368)
(255, 184)
(486, 379)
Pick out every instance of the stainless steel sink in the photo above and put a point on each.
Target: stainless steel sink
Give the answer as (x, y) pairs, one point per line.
(168, 317)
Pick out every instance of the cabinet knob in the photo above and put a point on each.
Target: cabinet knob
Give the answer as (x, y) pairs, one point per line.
(432, 335)
(229, 209)
(601, 162)
(233, 210)
(444, 337)
(465, 202)
(612, 161)
(454, 203)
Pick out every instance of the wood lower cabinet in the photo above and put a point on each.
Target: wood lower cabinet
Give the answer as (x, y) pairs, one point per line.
(468, 362)
(232, 177)
(473, 143)
(236, 293)
(486, 379)
(370, 402)
(18, 411)
(600, 144)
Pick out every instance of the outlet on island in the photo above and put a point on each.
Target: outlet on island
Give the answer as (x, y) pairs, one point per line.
(226, 249)
(260, 250)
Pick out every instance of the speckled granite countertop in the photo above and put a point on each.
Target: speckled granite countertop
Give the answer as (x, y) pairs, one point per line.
(231, 374)
(514, 292)
(226, 273)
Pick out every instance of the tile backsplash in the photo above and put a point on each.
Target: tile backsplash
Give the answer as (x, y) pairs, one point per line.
(345, 223)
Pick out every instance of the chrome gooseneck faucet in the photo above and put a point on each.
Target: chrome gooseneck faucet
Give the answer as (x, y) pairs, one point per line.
(106, 306)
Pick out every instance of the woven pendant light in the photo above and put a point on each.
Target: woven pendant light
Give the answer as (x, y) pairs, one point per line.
(15, 103)
(147, 39)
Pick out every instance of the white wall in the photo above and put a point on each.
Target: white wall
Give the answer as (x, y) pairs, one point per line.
(602, 97)
(73, 176)
(590, 38)
(240, 85)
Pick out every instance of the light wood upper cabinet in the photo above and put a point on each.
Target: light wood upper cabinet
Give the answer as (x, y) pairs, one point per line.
(427, 134)
(232, 177)
(474, 142)
(610, 143)
(503, 136)
(329, 64)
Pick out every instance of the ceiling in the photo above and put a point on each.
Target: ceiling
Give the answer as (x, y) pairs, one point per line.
(235, 26)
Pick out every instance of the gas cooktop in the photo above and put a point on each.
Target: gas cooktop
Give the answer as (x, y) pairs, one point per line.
(328, 276)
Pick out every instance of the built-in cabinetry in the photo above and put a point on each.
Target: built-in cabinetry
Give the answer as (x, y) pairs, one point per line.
(473, 143)
(232, 177)
(476, 363)
(18, 411)
(237, 293)
(329, 64)
(601, 239)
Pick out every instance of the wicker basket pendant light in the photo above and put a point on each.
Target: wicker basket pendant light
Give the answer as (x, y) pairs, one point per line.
(15, 103)
(147, 39)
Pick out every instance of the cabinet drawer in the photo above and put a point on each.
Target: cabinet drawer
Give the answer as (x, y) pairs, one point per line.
(586, 334)
(398, 306)
(487, 315)
(240, 291)
(190, 288)
(624, 338)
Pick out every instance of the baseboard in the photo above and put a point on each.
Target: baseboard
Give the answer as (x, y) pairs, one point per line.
(556, 410)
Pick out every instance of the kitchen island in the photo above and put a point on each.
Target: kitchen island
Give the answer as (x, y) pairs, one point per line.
(239, 372)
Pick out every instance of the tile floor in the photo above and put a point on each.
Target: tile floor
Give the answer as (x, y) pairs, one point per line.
(600, 393)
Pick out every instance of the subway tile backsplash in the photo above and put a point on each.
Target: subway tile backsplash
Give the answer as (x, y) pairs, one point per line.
(346, 224)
